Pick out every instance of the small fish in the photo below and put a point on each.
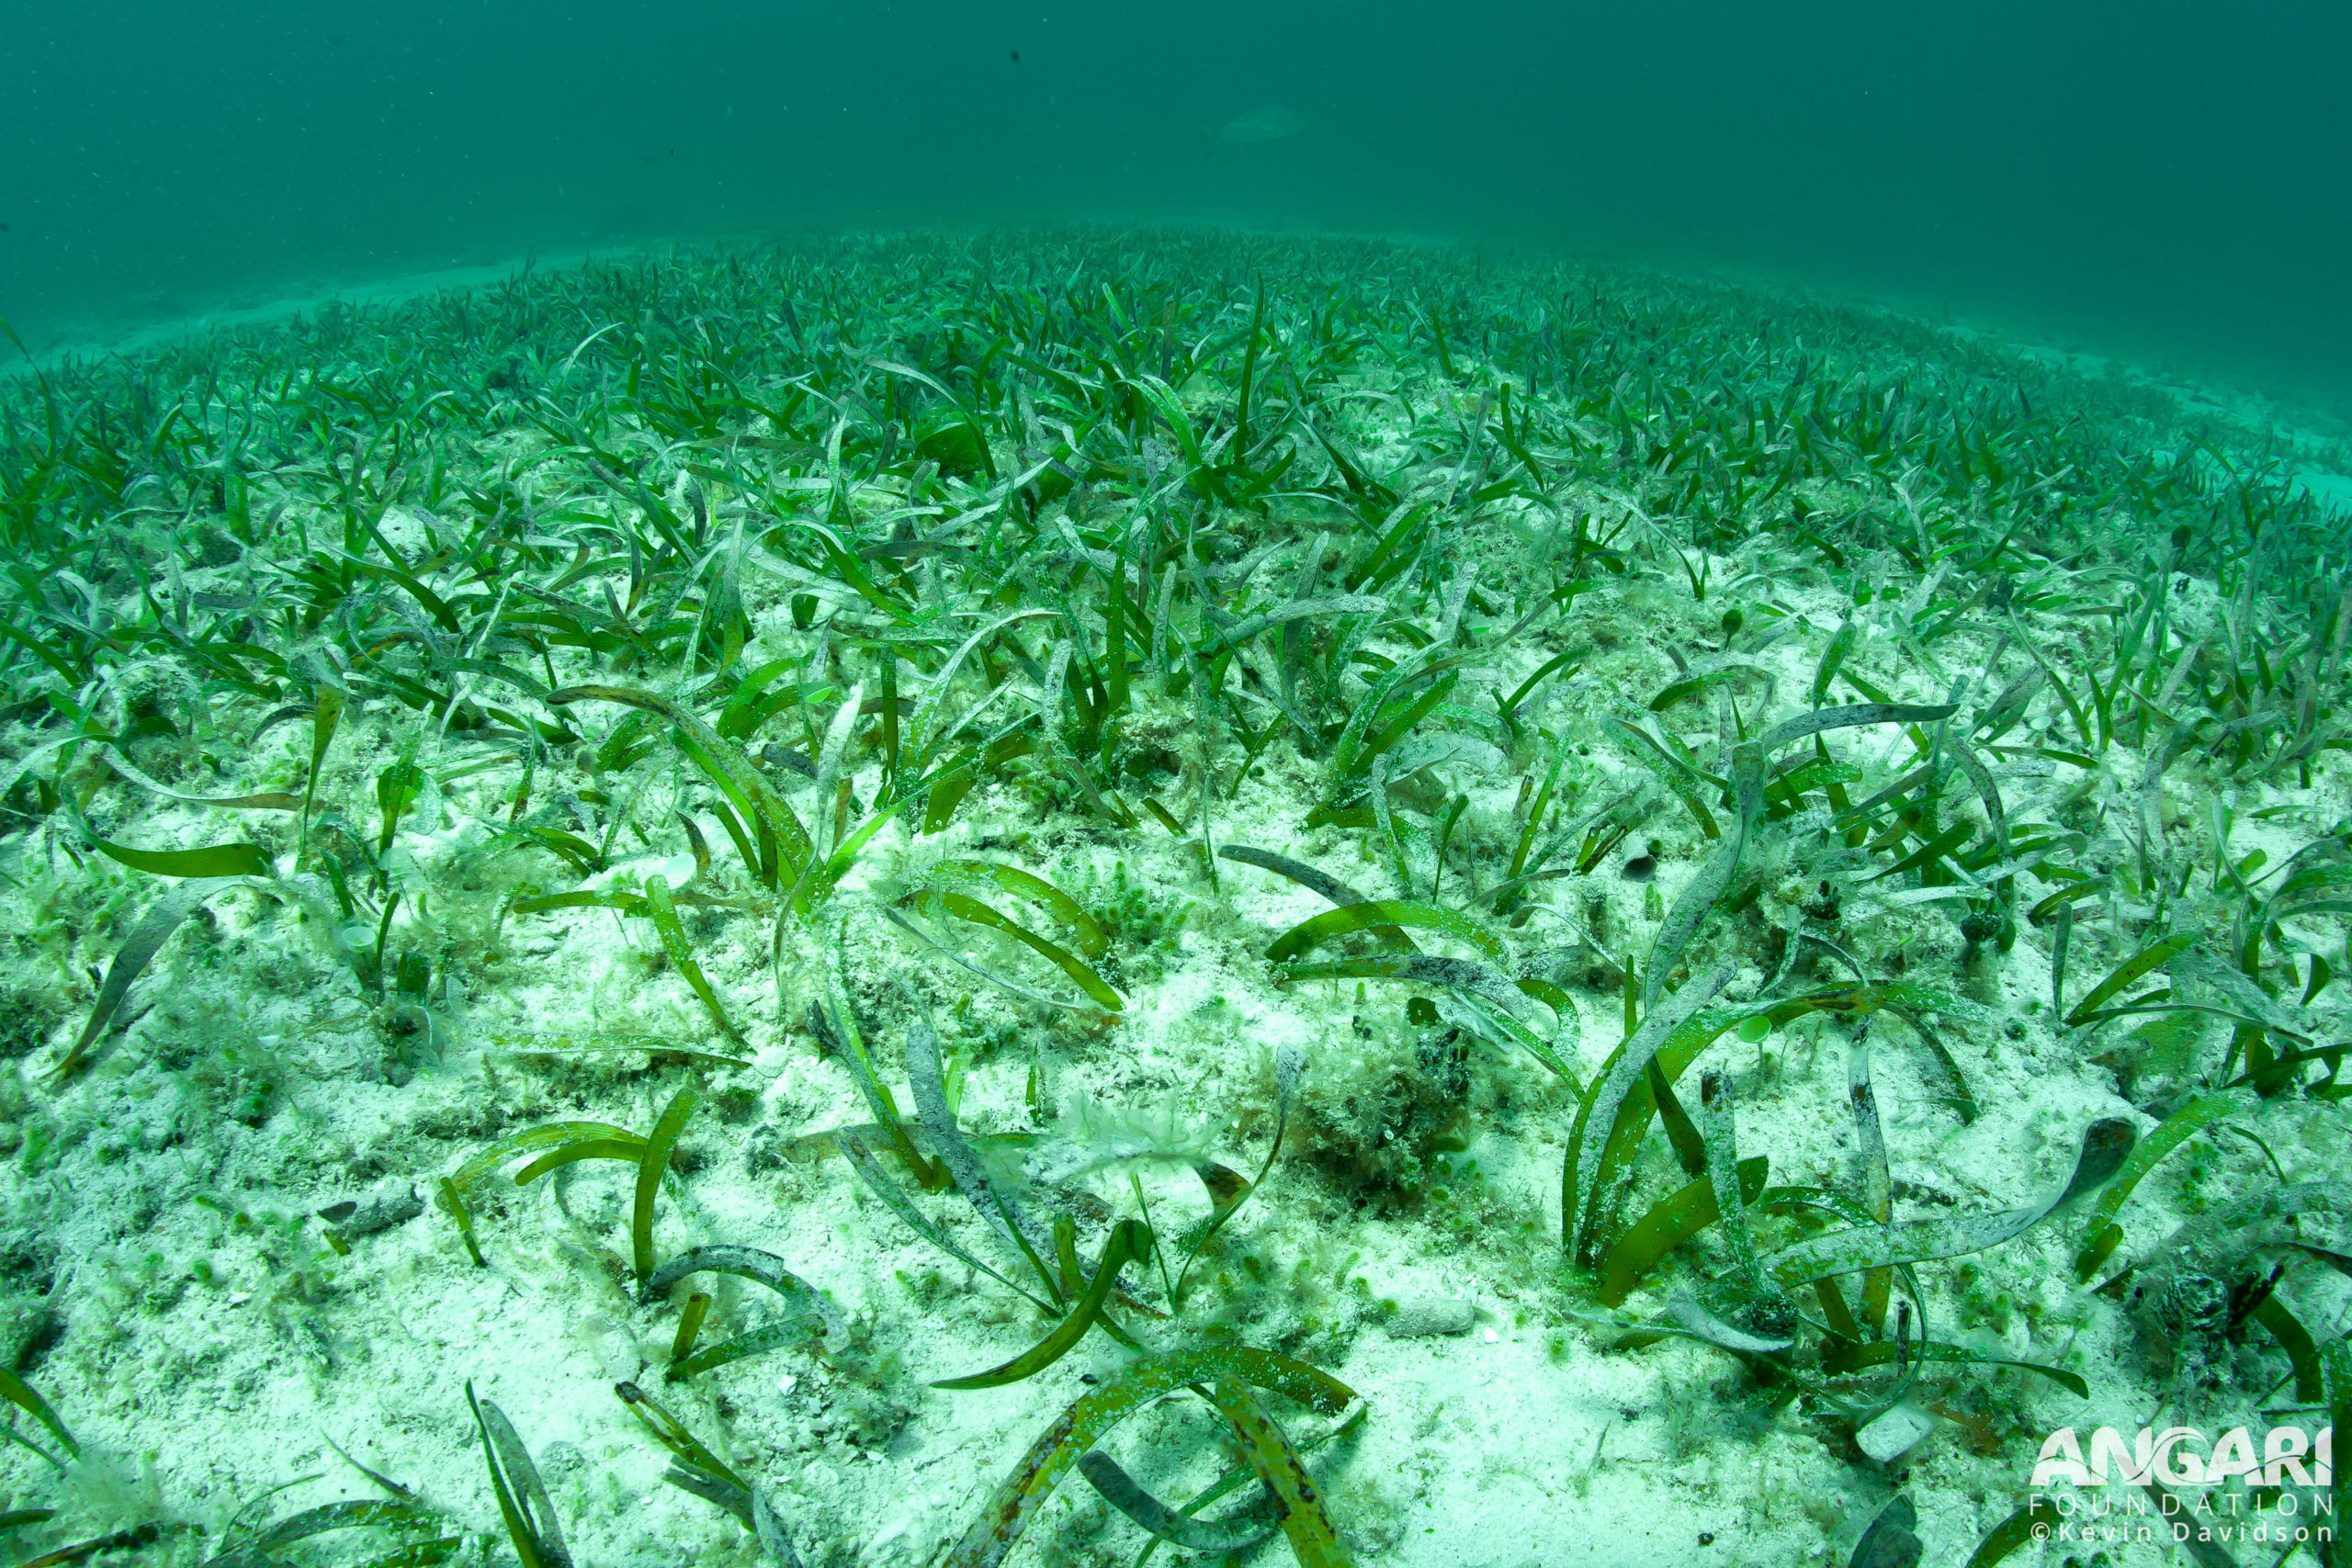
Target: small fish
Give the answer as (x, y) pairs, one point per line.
(1269, 124)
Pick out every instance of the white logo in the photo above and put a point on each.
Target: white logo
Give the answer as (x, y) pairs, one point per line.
(2176, 1457)
(2284, 1497)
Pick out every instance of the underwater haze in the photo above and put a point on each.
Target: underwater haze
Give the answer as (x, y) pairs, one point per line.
(2173, 180)
(932, 787)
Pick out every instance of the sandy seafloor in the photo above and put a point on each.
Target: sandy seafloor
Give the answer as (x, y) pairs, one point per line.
(203, 1341)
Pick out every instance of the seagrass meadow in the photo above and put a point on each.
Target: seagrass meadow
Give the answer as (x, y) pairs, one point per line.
(1080, 897)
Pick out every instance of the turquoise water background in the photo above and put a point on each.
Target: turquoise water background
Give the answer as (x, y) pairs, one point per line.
(2167, 180)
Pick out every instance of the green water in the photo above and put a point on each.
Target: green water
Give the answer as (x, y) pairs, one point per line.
(2165, 181)
(773, 784)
